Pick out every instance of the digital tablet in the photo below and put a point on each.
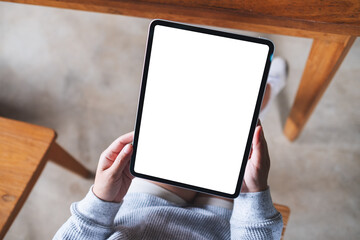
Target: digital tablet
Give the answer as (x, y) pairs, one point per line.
(198, 107)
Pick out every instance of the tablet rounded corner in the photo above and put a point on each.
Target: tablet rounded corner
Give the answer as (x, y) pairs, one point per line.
(154, 23)
(233, 195)
(271, 49)
(271, 46)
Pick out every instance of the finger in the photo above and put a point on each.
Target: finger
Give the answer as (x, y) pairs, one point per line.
(256, 144)
(257, 135)
(121, 160)
(119, 143)
(263, 145)
(109, 155)
(262, 141)
(252, 143)
(260, 154)
(115, 147)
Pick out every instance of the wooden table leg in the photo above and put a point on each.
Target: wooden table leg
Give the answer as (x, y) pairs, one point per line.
(324, 60)
(58, 155)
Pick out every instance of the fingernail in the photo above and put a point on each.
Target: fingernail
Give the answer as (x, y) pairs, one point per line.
(127, 148)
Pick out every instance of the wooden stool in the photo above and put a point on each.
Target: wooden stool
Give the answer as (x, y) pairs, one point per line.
(24, 150)
(285, 212)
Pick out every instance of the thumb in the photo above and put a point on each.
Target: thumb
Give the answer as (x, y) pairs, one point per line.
(121, 160)
(257, 144)
(260, 156)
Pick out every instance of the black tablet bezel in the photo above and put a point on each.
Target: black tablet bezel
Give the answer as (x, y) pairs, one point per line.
(255, 115)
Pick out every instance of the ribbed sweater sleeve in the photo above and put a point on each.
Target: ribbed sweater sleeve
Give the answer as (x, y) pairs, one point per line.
(255, 217)
(144, 216)
(91, 218)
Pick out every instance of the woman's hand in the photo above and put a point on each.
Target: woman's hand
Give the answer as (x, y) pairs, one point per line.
(258, 165)
(113, 176)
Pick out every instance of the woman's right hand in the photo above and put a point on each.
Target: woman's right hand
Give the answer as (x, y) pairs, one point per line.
(258, 165)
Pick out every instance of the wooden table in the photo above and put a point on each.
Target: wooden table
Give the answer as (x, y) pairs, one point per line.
(24, 151)
(333, 24)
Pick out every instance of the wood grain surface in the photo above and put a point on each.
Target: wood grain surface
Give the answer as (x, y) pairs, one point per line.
(285, 213)
(324, 60)
(23, 149)
(296, 17)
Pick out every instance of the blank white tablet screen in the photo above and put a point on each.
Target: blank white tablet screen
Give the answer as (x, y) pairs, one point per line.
(199, 102)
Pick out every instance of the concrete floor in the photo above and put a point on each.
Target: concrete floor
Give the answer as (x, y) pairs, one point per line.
(80, 72)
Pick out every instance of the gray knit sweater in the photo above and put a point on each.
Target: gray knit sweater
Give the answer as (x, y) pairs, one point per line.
(144, 216)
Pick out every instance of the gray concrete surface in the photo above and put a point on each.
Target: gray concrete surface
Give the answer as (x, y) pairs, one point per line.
(80, 72)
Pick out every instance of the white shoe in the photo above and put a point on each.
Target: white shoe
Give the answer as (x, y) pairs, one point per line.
(277, 80)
